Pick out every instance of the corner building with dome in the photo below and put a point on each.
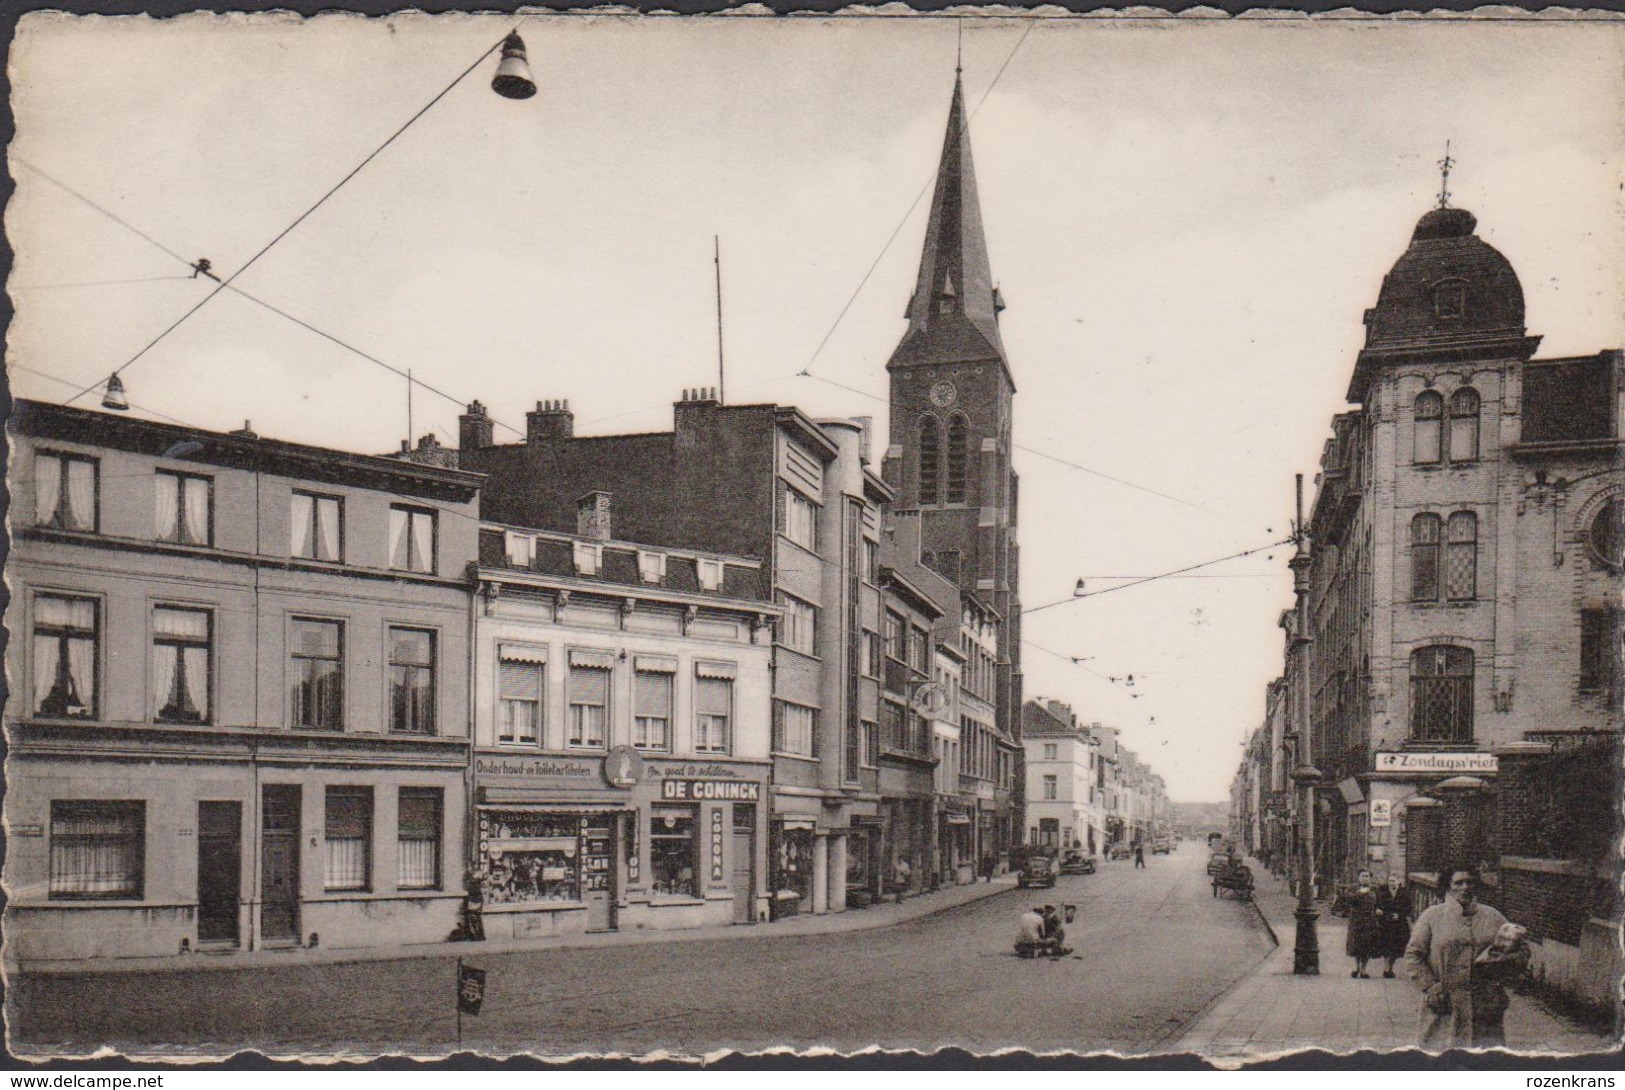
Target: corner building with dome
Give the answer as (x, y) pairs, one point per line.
(1465, 589)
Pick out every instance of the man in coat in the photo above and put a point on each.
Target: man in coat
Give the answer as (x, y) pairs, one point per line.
(1461, 1006)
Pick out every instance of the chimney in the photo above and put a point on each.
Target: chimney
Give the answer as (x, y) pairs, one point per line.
(474, 428)
(592, 516)
(551, 420)
(866, 429)
(687, 414)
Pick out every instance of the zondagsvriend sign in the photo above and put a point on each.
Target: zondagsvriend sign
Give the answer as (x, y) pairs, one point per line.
(1455, 763)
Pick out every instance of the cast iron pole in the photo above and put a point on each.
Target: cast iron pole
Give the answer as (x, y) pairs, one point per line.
(1306, 944)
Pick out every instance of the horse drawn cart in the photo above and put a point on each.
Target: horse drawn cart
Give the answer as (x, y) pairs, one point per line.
(1235, 879)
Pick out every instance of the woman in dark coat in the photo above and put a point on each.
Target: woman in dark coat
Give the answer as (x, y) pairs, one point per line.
(1394, 913)
(1365, 926)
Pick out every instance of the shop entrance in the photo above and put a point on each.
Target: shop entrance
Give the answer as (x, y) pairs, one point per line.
(744, 876)
(598, 871)
(279, 864)
(219, 870)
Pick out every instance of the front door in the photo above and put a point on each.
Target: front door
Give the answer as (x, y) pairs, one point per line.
(598, 865)
(744, 875)
(219, 870)
(279, 864)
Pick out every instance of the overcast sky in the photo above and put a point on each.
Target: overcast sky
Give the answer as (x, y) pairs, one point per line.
(1186, 217)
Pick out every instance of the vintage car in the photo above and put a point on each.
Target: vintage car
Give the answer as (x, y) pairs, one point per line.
(1038, 870)
(1078, 863)
(1217, 862)
(1120, 851)
(1161, 846)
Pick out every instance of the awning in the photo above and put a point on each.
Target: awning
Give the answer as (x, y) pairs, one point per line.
(725, 671)
(656, 664)
(797, 823)
(500, 798)
(601, 660)
(519, 652)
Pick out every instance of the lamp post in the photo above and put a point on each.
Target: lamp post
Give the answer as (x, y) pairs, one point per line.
(1306, 944)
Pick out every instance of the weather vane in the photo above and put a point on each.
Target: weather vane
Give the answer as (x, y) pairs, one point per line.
(1444, 169)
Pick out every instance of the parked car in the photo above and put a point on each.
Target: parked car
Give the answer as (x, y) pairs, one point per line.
(1038, 870)
(1120, 851)
(1218, 862)
(1078, 863)
(1161, 846)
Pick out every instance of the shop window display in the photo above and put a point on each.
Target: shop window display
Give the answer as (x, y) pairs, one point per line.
(531, 858)
(672, 850)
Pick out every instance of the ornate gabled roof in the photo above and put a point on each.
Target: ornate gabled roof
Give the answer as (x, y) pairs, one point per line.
(953, 314)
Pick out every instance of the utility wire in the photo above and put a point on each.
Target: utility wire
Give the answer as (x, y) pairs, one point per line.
(912, 206)
(75, 385)
(251, 298)
(96, 283)
(303, 216)
(1153, 578)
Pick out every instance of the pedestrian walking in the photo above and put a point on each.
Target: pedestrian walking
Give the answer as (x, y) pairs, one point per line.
(1365, 925)
(1449, 956)
(989, 865)
(1394, 919)
(1139, 857)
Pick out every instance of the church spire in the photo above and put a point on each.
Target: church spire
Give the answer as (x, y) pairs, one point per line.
(954, 312)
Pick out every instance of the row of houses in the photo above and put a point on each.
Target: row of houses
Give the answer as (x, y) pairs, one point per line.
(1085, 790)
(271, 694)
(1458, 680)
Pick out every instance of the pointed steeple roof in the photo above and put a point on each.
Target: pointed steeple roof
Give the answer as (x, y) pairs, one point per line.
(953, 315)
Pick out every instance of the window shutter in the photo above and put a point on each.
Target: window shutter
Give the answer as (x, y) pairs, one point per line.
(520, 681)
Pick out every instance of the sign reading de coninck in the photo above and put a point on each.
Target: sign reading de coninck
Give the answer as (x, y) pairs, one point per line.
(1437, 762)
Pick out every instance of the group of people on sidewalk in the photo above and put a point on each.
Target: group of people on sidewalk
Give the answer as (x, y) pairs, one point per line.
(1462, 955)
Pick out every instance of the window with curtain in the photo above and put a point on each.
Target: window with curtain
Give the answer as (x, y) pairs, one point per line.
(800, 519)
(794, 729)
(1461, 557)
(65, 491)
(185, 512)
(182, 680)
(1429, 417)
(419, 811)
(930, 460)
(1464, 425)
(349, 839)
(651, 709)
(520, 687)
(589, 706)
(97, 850)
(1425, 557)
(713, 714)
(799, 628)
(411, 539)
(66, 642)
(958, 458)
(411, 681)
(316, 675)
(317, 527)
(1442, 694)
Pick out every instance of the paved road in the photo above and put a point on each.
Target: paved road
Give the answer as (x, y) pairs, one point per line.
(1153, 950)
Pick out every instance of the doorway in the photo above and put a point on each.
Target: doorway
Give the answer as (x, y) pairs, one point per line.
(279, 863)
(598, 871)
(744, 868)
(219, 871)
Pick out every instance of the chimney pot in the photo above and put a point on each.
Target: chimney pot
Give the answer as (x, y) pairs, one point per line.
(551, 420)
(474, 428)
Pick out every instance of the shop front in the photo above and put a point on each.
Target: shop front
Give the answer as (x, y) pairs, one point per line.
(621, 841)
(956, 849)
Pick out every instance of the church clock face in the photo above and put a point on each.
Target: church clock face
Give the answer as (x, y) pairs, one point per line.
(943, 394)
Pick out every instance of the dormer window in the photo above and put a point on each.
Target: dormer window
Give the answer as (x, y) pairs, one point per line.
(651, 566)
(710, 572)
(1450, 299)
(588, 557)
(520, 549)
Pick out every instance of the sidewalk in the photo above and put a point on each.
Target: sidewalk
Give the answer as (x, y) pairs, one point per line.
(868, 919)
(1272, 1011)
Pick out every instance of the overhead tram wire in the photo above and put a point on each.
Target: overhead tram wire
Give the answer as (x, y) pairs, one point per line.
(251, 298)
(1154, 578)
(1025, 449)
(302, 217)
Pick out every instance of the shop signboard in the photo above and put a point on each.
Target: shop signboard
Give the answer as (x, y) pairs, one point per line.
(1382, 812)
(1454, 764)
(716, 845)
(712, 790)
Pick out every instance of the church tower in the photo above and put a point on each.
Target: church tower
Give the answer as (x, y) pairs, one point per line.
(951, 391)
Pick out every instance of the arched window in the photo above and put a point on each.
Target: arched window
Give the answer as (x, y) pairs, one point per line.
(1461, 560)
(958, 458)
(1607, 536)
(1425, 558)
(1450, 299)
(1442, 694)
(1429, 414)
(1464, 425)
(930, 460)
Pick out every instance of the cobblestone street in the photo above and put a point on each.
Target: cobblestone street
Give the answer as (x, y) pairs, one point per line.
(1153, 950)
